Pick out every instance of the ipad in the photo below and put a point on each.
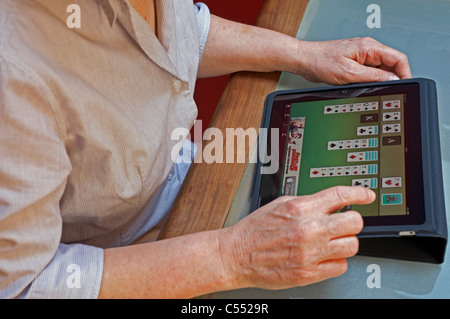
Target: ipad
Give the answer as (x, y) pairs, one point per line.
(382, 136)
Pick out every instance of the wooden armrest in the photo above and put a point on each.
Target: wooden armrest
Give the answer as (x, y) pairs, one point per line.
(206, 196)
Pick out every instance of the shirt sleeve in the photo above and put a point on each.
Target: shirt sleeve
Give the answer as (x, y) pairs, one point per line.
(33, 176)
(203, 22)
(74, 272)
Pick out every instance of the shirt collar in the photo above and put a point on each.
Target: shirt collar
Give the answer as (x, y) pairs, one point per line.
(121, 11)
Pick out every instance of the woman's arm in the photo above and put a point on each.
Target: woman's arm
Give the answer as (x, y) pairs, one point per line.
(292, 241)
(233, 47)
(182, 267)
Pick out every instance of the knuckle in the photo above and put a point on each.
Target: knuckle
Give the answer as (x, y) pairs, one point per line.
(302, 234)
(307, 243)
(358, 221)
(404, 57)
(368, 41)
(294, 204)
(302, 256)
(291, 206)
(341, 267)
(379, 75)
(297, 205)
(353, 246)
(347, 248)
(309, 232)
(341, 194)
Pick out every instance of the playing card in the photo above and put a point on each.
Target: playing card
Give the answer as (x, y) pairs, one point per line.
(392, 128)
(391, 116)
(367, 130)
(343, 108)
(364, 169)
(362, 156)
(314, 172)
(331, 171)
(332, 145)
(349, 144)
(365, 182)
(332, 109)
(328, 109)
(364, 143)
(371, 155)
(320, 172)
(347, 170)
(339, 171)
(373, 183)
(391, 182)
(374, 106)
(372, 169)
(373, 142)
(391, 105)
(324, 172)
(336, 109)
(356, 170)
(352, 144)
(360, 182)
(355, 156)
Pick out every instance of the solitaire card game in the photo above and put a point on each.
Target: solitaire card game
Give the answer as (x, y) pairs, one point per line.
(383, 136)
(353, 141)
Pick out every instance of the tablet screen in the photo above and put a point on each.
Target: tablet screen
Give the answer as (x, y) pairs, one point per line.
(360, 137)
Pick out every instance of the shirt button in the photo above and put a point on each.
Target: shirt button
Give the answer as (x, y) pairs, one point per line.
(170, 176)
(176, 85)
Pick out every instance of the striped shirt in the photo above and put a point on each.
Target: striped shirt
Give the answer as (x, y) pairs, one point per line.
(86, 116)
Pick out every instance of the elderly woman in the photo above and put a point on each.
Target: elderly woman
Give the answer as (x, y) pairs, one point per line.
(85, 120)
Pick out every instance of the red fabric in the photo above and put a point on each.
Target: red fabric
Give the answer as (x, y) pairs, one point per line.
(209, 91)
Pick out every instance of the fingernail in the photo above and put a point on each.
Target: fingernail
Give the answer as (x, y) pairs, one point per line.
(372, 195)
(393, 77)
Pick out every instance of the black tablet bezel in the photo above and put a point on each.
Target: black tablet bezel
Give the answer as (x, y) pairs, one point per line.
(270, 183)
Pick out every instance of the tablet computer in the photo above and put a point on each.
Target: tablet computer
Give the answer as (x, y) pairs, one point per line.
(383, 136)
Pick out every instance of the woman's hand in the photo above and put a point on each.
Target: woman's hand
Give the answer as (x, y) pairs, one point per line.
(294, 241)
(350, 61)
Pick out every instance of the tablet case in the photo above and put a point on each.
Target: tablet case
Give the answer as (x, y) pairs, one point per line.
(425, 242)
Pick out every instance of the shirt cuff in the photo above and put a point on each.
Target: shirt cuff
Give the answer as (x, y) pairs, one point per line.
(203, 23)
(75, 272)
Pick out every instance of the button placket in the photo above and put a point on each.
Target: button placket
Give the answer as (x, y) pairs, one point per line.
(176, 85)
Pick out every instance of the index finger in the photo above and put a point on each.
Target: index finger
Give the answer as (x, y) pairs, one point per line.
(393, 59)
(399, 62)
(332, 199)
